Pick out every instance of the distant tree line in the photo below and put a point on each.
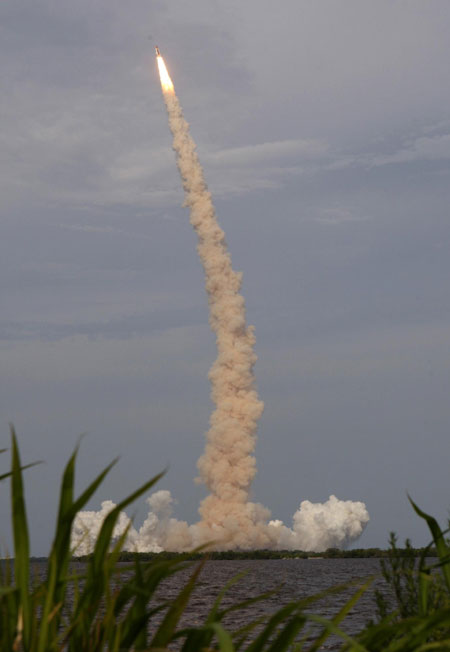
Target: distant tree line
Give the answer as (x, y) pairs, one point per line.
(330, 553)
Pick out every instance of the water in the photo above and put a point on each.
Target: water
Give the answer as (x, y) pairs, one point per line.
(295, 579)
(299, 578)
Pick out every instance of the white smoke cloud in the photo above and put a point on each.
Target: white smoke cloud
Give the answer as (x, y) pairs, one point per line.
(87, 526)
(316, 526)
(227, 466)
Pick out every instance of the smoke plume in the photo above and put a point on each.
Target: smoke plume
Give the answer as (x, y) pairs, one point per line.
(227, 466)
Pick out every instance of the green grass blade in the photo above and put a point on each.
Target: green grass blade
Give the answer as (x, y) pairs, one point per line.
(133, 627)
(59, 558)
(439, 541)
(92, 488)
(154, 573)
(287, 635)
(353, 645)
(97, 577)
(223, 637)
(106, 531)
(138, 610)
(283, 614)
(22, 468)
(6, 590)
(419, 631)
(60, 555)
(435, 645)
(21, 539)
(9, 602)
(424, 582)
(241, 635)
(195, 638)
(342, 613)
(214, 611)
(424, 585)
(167, 628)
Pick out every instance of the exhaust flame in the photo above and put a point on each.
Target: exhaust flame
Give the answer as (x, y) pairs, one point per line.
(227, 466)
(166, 82)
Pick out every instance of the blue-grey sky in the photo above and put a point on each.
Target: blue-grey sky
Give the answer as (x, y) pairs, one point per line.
(324, 130)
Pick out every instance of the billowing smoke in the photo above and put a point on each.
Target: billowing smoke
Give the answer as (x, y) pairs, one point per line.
(316, 526)
(227, 467)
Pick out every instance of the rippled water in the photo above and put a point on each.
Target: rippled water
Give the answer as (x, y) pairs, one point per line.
(299, 578)
(296, 579)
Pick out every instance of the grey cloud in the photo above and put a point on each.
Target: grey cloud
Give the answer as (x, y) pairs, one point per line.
(127, 327)
(270, 152)
(82, 357)
(421, 149)
(340, 215)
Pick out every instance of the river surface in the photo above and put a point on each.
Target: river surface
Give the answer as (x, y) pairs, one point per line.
(296, 579)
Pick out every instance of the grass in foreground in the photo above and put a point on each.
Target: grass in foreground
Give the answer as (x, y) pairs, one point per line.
(111, 607)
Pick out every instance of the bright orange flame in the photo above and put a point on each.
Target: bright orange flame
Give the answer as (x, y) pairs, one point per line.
(166, 82)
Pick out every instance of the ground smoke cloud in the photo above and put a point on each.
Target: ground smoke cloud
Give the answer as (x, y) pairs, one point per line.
(316, 526)
(227, 467)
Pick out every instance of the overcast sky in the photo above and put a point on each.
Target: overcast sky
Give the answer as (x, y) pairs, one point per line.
(324, 130)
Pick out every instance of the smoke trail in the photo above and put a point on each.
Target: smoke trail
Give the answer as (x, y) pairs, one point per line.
(227, 466)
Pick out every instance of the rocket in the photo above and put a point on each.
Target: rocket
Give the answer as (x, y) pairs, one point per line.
(158, 53)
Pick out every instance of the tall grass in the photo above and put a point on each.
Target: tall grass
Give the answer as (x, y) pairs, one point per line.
(113, 607)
